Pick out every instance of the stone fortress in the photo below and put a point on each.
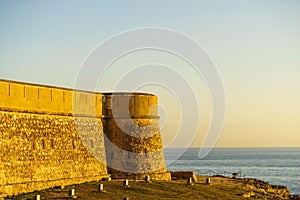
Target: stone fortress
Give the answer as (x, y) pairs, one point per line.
(52, 136)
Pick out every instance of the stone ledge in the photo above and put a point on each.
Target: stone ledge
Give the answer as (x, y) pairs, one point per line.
(183, 175)
(163, 176)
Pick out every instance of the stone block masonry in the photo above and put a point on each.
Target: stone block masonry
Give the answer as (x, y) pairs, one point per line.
(39, 142)
(133, 144)
(53, 136)
(41, 151)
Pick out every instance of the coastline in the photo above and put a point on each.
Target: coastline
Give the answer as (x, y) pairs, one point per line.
(277, 166)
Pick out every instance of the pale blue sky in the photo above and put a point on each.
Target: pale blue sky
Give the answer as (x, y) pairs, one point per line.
(255, 44)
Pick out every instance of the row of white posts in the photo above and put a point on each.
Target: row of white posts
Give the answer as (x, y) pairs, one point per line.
(125, 183)
(100, 188)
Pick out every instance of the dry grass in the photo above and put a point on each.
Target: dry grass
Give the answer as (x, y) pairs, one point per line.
(221, 188)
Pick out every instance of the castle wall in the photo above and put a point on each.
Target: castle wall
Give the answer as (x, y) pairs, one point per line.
(40, 146)
(53, 136)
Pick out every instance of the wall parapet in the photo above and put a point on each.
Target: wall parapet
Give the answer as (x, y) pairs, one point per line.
(34, 98)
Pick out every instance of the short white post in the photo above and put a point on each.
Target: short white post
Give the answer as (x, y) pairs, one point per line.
(72, 192)
(190, 181)
(100, 187)
(147, 178)
(125, 183)
(37, 197)
(207, 181)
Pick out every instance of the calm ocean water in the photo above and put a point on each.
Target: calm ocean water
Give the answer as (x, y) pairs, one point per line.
(274, 165)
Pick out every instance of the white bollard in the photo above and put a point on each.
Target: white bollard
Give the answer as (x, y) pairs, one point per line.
(72, 192)
(190, 181)
(147, 178)
(100, 187)
(207, 181)
(125, 183)
(37, 197)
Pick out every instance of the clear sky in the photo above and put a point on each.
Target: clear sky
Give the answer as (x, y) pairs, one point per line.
(255, 45)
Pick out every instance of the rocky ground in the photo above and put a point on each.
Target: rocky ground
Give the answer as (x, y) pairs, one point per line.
(220, 188)
(253, 188)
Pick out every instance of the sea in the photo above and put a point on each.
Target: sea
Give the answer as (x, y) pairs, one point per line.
(280, 166)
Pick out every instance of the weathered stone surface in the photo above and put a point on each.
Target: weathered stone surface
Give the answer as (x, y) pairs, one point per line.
(246, 195)
(52, 136)
(264, 189)
(184, 175)
(39, 151)
(133, 141)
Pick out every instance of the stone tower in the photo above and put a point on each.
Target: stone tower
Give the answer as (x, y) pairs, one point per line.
(132, 136)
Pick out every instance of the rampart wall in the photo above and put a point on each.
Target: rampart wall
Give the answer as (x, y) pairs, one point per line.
(39, 142)
(31, 98)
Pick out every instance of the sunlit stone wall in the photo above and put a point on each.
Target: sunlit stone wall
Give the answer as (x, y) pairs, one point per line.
(133, 141)
(53, 136)
(40, 146)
